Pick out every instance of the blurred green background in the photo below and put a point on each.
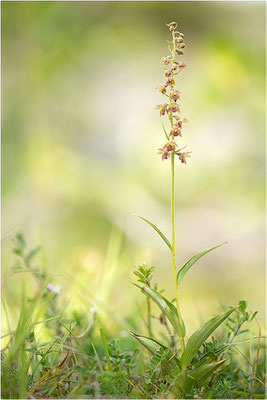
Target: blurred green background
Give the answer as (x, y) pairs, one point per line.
(79, 152)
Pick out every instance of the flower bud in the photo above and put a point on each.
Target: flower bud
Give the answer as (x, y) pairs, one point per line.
(172, 26)
(182, 46)
(179, 52)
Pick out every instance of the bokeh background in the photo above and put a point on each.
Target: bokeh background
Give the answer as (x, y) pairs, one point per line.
(79, 153)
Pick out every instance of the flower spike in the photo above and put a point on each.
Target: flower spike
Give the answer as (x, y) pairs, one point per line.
(172, 110)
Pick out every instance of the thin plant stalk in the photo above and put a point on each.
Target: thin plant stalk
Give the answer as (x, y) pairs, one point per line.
(173, 219)
(173, 249)
(149, 318)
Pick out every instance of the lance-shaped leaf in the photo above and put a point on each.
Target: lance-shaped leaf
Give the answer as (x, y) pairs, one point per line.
(167, 308)
(181, 273)
(150, 344)
(196, 377)
(157, 230)
(199, 337)
(153, 346)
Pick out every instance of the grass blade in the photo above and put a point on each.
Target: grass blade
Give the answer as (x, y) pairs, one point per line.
(199, 337)
(105, 346)
(181, 273)
(157, 230)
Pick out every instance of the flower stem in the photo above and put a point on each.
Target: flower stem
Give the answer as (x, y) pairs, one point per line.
(173, 251)
(149, 318)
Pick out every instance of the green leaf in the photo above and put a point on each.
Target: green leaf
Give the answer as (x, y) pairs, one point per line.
(197, 377)
(166, 308)
(166, 134)
(181, 273)
(158, 231)
(150, 344)
(243, 305)
(153, 346)
(253, 316)
(199, 337)
(102, 333)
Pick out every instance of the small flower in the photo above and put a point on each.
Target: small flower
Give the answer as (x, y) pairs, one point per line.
(175, 95)
(170, 81)
(175, 131)
(162, 89)
(170, 145)
(165, 60)
(179, 52)
(174, 67)
(168, 73)
(180, 39)
(162, 108)
(182, 45)
(183, 156)
(54, 289)
(164, 154)
(180, 121)
(181, 65)
(173, 107)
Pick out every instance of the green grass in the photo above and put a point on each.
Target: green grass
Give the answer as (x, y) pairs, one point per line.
(46, 356)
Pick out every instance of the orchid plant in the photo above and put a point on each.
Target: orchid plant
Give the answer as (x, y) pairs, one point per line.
(180, 355)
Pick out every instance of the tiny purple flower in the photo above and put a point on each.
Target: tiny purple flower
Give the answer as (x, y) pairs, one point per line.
(175, 95)
(175, 131)
(181, 65)
(54, 289)
(170, 146)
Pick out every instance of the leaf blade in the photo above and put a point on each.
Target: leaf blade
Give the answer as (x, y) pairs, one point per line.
(153, 346)
(166, 307)
(157, 230)
(197, 377)
(185, 268)
(200, 336)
